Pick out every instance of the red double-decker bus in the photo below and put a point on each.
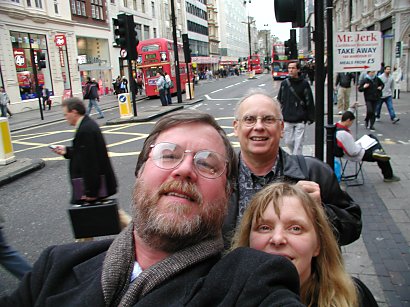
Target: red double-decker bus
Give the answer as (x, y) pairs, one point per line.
(157, 54)
(280, 62)
(254, 63)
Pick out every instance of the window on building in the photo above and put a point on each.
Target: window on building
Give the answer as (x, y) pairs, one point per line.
(38, 4)
(56, 10)
(24, 46)
(78, 7)
(138, 28)
(134, 5)
(143, 6)
(29, 3)
(97, 9)
(146, 32)
(154, 31)
(153, 9)
(125, 3)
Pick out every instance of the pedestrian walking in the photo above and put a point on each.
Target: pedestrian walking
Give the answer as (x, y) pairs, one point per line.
(161, 88)
(387, 95)
(124, 85)
(91, 93)
(167, 85)
(343, 86)
(4, 100)
(139, 83)
(296, 99)
(45, 95)
(10, 258)
(372, 87)
(398, 77)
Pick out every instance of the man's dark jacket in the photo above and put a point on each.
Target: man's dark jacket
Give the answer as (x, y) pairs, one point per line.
(89, 159)
(296, 110)
(91, 90)
(371, 93)
(70, 275)
(343, 213)
(344, 79)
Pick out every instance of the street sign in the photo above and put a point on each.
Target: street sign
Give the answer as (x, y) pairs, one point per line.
(123, 53)
(357, 51)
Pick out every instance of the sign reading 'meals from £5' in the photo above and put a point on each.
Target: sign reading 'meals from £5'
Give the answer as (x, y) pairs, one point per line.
(357, 51)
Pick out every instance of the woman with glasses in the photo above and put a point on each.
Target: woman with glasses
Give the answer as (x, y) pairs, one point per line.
(284, 220)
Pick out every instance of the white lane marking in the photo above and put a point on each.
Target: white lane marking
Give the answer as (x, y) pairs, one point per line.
(217, 91)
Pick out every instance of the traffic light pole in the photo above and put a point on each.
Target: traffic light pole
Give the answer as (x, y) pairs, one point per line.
(132, 84)
(250, 39)
(174, 37)
(330, 127)
(37, 87)
(319, 78)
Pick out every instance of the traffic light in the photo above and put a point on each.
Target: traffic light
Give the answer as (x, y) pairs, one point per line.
(290, 11)
(187, 50)
(126, 34)
(293, 45)
(41, 60)
(287, 48)
(120, 30)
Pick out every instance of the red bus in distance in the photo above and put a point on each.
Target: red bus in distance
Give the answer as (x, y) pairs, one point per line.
(157, 54)
(280, 62)
(254, 63)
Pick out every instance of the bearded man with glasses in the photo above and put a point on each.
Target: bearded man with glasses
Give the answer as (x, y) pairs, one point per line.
(171, 253)
(259, 127)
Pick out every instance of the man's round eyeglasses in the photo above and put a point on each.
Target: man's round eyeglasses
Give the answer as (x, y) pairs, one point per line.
(267, 120)
(207, 163)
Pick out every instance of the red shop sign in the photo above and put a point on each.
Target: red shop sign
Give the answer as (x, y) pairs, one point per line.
(19, 58)
(60, 40)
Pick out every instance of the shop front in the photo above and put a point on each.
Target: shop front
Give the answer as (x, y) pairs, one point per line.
(94, 61)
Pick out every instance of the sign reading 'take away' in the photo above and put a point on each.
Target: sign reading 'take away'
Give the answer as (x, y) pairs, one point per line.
(357, 51)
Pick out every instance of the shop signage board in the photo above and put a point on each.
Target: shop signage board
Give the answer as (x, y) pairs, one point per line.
(60, 40)
(357, 51)
(19, 58)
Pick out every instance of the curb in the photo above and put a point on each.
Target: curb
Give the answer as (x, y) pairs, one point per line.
(22, 167)
(150, 115)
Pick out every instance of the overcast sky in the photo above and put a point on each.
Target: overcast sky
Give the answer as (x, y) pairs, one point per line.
(264, 13)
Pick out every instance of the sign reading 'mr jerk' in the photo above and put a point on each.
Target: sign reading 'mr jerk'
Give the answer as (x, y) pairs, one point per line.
(357, 51)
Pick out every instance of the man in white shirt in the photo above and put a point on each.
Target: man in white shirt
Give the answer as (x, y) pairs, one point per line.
(354, 151)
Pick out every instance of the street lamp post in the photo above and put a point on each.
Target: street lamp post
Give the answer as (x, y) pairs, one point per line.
(267, 46)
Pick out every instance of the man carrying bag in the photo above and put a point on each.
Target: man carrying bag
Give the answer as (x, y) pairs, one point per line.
(91, 174)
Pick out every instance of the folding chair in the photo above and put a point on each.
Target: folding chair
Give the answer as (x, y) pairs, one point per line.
(352, 172)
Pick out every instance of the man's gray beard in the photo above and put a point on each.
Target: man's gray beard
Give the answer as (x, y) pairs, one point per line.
(158, 231)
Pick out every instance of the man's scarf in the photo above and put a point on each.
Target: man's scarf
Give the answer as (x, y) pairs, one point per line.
(119, 263)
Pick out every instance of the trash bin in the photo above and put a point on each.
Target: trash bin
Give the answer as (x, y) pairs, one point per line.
(189, 96)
